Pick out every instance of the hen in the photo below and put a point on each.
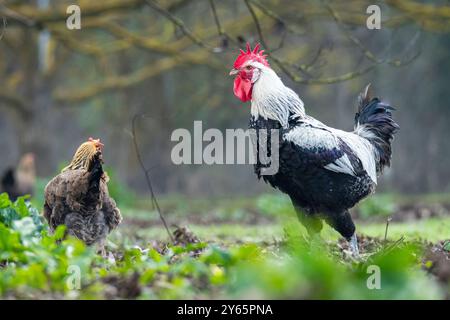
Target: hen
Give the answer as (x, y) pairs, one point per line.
(78, 198)
(17, 182)
(325, 171)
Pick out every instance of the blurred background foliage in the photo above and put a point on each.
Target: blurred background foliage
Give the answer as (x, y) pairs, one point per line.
(169, 59)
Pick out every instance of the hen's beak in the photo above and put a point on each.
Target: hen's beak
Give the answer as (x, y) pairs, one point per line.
(234, 72)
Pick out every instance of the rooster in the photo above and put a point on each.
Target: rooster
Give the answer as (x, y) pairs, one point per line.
(325, 171)
(20, 181)
(78, 198)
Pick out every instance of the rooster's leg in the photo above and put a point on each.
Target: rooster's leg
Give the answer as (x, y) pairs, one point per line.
(353, 242)
(342, 222)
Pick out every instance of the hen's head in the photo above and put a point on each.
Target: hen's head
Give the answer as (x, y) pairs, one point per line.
(85, 154)
(247, 68)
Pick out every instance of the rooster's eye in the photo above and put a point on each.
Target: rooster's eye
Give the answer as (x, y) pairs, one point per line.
(248, 67)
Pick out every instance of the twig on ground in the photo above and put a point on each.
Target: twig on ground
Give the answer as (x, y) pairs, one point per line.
(393, 245)
(387, 226)
(147, 175)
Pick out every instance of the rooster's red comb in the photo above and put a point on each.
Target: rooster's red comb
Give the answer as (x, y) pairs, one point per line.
(250, 54)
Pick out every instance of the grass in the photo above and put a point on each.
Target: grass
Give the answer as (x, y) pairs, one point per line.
(263, 218)
(269, 205)
(432, 230)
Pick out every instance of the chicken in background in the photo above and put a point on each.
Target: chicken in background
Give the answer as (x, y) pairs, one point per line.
(20, 181)
(79, 199)
(325, 171)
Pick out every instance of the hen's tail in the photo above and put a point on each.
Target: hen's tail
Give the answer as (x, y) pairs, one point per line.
(374, 122)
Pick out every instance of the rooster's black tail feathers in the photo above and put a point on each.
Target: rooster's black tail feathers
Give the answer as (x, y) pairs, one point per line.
(374, 122)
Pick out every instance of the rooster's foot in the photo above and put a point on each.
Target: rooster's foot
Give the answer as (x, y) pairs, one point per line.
(353, 243)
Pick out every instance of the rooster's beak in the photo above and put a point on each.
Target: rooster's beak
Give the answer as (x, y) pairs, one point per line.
(234, 72)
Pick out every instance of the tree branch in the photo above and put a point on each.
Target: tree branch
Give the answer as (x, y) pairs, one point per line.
(16, 102)
(179, 23)
(277, 61)
(276, 17)
(120, 82)
(31, 17)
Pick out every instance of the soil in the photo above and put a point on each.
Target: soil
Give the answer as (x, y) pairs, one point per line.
(122, 287)
(437, 261)
(183, 236)
(366, 244)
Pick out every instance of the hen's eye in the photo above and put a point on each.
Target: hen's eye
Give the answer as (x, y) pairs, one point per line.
(248, 67)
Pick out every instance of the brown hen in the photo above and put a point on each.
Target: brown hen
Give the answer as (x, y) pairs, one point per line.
(78, 198)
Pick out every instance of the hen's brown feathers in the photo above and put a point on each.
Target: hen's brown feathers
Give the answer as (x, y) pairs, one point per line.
(78, 198)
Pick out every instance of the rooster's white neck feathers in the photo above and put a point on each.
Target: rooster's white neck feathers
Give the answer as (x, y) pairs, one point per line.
(271, 99)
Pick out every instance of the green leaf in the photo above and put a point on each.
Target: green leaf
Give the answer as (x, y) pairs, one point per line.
(447, 245)
(8, 215)
(25, 227)
(21, 207)
(59, 232)
(4, 201)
